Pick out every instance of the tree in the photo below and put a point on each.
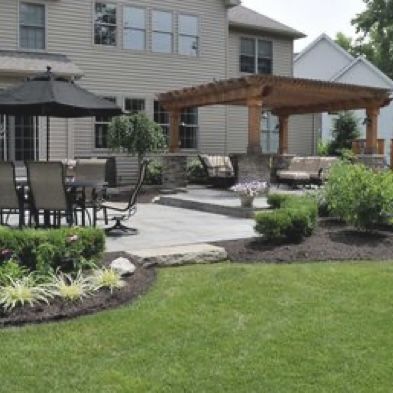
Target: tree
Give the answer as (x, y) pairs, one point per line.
(345, 130)
(374, 27)
(136, 134)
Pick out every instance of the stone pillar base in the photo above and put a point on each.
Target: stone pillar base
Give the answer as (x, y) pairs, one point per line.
(174, 171)
(254, 167)
(373, 161)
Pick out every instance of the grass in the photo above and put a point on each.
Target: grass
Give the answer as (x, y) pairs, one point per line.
(224, 328)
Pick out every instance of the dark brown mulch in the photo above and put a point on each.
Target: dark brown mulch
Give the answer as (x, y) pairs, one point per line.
(331, 241)
(137, 285)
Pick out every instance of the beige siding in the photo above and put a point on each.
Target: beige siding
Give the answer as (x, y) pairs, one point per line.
(282, 65)
(303, 131)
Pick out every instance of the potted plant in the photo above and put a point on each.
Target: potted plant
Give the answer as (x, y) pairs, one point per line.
(248, 191)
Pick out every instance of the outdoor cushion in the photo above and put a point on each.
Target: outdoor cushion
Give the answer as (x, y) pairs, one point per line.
(293, 175)
(218, 166)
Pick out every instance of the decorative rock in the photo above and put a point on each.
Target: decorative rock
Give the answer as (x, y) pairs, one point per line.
(123, 266)
(180, 255)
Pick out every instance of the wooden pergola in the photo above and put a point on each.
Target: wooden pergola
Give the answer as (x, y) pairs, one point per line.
(283, 96)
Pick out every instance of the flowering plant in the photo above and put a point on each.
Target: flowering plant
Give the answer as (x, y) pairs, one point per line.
(250, 189)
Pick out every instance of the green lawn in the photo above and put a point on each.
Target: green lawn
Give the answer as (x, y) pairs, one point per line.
(224, 328)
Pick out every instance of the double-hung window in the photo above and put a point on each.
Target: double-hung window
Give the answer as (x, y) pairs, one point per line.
(102, 128)
(134, 35)
(161, 117)
(134, 105)
(105, 24)
(32, 31)
(162, 36)
(256, 56)
(188, 35)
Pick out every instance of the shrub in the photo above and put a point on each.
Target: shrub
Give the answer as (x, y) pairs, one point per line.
(23, 291)
(276, 200)
(154, 173)
(359, 195)
(293, 219)
(69, 249)
(196, 173)
(11, 270)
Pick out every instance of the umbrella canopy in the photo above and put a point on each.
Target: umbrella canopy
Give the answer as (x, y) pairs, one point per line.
(48, 95)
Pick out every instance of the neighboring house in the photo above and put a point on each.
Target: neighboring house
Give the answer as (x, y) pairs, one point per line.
(129, 51)
(325, 60)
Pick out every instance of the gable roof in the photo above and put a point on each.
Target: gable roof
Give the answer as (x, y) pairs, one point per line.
(324, 37)
(244, 17)
(369, 65)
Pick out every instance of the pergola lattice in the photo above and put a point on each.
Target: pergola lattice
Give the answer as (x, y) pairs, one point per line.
(284, 96)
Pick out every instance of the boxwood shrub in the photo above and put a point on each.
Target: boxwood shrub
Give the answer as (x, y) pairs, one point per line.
(293, 218)
(46, 250)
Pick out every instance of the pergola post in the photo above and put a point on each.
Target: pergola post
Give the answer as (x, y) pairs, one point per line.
(372, 130)
(254, 125)
(174, 126)
(283, 126)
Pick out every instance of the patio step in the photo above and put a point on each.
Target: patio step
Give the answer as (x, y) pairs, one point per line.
(179, 255)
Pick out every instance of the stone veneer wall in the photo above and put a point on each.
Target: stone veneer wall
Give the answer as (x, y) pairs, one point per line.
(254, 167)
(174, 171)
(373, 161)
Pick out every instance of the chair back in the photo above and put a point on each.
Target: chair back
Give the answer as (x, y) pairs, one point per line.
(9, 198)
(91, 170)
(47, 187)
(141, 178)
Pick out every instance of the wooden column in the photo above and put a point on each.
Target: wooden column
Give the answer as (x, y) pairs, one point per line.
(174, 133)
(283, 124)
(372, 130)
(254, 125)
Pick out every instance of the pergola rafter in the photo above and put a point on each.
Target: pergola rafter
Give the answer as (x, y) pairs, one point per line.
(284, 96)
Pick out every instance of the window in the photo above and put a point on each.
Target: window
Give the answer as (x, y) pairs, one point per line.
(188, 35)
(134, 28)
(256, 56)
(101, 128)
(32, 26)
(270, 133)
(133, 106)
(189, 128)
(162, 39)
(188, 125)
(105, 28)
(161, 117)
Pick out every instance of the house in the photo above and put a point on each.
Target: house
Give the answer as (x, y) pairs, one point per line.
(129, 51)
(324, 59)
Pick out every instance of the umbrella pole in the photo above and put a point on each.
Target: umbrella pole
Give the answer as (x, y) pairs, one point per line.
(47, 137)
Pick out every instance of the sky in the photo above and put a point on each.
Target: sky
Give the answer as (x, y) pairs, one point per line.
(311, 17)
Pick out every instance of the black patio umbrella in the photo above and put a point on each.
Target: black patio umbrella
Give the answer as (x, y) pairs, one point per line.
(54, 96)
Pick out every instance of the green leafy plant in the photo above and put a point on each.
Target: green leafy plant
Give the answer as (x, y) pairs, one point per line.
(23, 291)
(196, 173)
(323, 148)
(345, 130)
(11, 270)
(68, 248)
(293, 218)
(107, 278)
(359, 195)
(71, 288)
(136, 134)
(154, 173)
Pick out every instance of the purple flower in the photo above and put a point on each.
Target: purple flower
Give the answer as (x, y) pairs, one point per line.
(251, 189)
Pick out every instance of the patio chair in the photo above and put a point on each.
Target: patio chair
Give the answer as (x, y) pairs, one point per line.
(48, 192)
(219, 169)
(91, 170)
(12, 199)
(124, 211)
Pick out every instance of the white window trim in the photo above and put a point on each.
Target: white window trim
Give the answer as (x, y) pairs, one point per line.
(173, 33)
(146, 30)
(18, 25)
(94, 122)
(103, 46)
(256, 39)
(186, 35)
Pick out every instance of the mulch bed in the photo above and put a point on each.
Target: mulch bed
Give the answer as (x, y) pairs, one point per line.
(136, 285)
(331, 241)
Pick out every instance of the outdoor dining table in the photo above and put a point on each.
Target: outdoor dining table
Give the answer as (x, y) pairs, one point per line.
(75, 185)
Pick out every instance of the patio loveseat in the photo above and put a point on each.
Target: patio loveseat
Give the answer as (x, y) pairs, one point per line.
(219, 169)
(306, 171)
